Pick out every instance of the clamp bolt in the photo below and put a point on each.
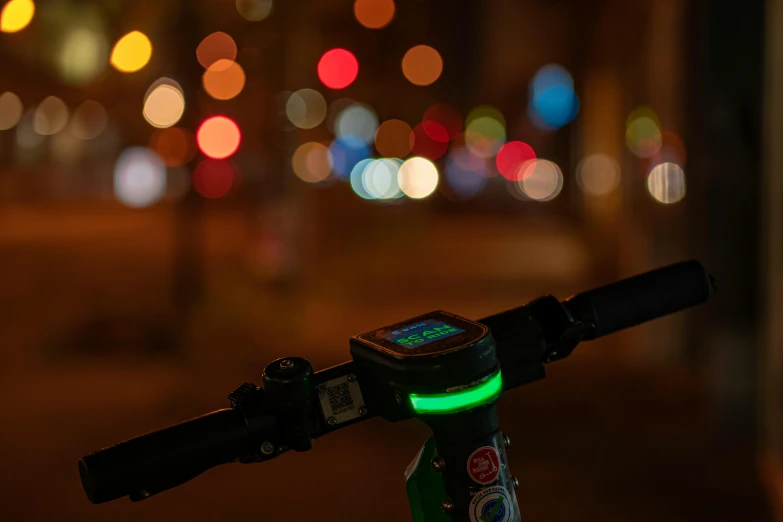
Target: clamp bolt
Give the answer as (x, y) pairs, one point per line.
(267, 448)
(363, 410)
(321, 387)
(515, 481)
(506, 441)
(286, 364)
(438, 464)
(447, 505)
(351, 378)
(331, 421)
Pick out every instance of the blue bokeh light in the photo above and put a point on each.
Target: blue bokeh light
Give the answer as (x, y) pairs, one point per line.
(346, 152)
(553, 102)
(465, 173)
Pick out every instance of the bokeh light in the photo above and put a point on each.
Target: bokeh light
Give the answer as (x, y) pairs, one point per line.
(423, 145)
(164, 104)
(346, 152)
(380, 178)
(306, 108)
(82, 55)
(666, 183)
(357, 120)
(511, 157)
(598, 174)
(66, 148)
(374, 14)
(338, 68)
(553, 102)
(446, 117)
(89, 120)
(131, 52)
(422, 65)
(10, 110)
(312, 162)
(26, 137)
(393, 139)
(672, 150)
(217, 46)
(16, 15)
(542, 180)
(418, 178)
(139, 177)
(218, 137)
(643, 133)
(51, 116)
(213, 178)
(175, 146)
(357, 179)
(224, 79)
(485, 131)
(254, 10)
(465, 173)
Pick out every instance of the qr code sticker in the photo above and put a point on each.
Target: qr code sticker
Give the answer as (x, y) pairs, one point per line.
(340, 399)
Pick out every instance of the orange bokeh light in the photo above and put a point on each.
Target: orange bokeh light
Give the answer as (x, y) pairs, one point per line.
(174, 145)
(422, 65)
(224, 79)
(218, 137)
(217, 46)
(374, 14)
(393, 139)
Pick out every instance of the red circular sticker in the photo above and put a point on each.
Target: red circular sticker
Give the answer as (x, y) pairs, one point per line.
(484, 465)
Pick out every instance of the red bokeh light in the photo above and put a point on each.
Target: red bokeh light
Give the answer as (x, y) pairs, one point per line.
(446, 117)
(213, 178)
(338, 68)
(511, 157)
(424, 146)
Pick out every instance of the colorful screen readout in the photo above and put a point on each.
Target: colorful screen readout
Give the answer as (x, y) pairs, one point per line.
(422, 332)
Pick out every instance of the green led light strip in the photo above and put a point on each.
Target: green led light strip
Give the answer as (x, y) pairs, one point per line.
(458, 400)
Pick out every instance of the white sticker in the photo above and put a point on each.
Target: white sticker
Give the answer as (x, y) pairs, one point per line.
(491, 505)
(341, 399)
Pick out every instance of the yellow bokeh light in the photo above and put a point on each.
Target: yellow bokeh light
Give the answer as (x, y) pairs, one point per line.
(418, 178)
(82, 56)
(164, 106)
(224, 79)
(374, 14)
(131, 52)
(393, 138)
(10, 110)
(422, 65)
(16, 15)
(51, 116)
(312, 162)
(666, 183)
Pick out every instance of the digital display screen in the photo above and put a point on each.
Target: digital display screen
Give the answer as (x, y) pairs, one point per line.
(423, 332)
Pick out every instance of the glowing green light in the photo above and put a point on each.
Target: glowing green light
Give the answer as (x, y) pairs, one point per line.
(458, 400)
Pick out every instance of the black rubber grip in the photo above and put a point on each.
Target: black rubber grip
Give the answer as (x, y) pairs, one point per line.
(642, 298)
(163, 459)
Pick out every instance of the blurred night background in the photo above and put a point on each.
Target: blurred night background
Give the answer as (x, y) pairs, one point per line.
(191, 189)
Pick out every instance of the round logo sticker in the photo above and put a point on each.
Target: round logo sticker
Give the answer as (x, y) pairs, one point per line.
(491, 505)
(484, 465)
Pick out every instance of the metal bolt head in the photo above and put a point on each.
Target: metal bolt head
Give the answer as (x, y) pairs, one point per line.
(351, 378)
(322, 387)
(331, 421)
(506, 441)
(286, 364)
(438, 464)
(362, 410)
(515, 481)
(267, 448)
(447, 505)
(398, 398)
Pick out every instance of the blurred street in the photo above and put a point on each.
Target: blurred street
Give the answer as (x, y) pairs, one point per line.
(604, 436)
